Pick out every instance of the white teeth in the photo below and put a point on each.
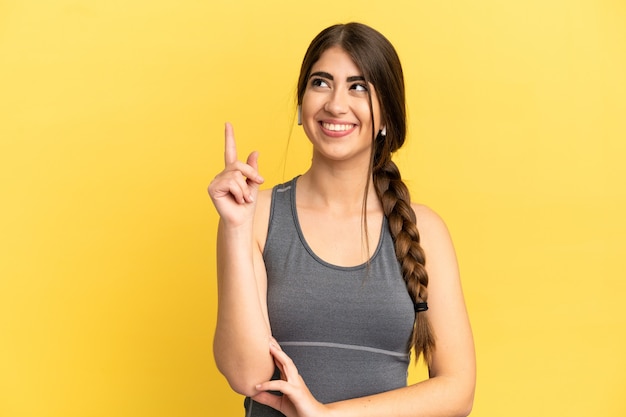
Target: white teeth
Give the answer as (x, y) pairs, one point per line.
(337, 127)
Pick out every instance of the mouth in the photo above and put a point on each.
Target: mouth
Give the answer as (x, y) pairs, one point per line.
(338, 127)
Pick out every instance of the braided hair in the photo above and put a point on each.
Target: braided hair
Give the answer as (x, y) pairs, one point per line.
(374, 55)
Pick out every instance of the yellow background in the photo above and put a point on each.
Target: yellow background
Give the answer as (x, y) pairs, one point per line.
(111, 127)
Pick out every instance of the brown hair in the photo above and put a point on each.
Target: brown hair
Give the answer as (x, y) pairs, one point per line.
(374, 55)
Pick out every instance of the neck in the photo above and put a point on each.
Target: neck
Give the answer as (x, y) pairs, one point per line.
(338, 187)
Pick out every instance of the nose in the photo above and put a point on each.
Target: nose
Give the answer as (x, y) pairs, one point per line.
(337, 103)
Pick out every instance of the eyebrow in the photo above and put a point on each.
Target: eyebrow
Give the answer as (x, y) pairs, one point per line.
(330, 77)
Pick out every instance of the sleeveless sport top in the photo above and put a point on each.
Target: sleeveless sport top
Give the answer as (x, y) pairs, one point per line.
(347, 329)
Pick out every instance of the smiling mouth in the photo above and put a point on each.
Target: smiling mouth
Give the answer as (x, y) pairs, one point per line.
(334, 127)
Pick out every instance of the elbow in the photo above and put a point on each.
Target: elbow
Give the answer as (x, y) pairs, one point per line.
(243, 378)
(465, 407)
(243, 386)
(244, 383)
(243, 370)
(465, 403)
(458, 400)
(460, 407)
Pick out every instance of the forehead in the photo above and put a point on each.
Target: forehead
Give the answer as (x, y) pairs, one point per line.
(336, 60)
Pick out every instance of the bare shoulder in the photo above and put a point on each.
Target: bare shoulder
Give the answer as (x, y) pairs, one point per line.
(264, 199)
(429, 223)
(434, 238)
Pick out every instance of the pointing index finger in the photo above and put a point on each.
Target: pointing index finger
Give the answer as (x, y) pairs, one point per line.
(230, 148)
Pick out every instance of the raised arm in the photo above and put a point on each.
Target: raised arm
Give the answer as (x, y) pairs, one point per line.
(242, 334)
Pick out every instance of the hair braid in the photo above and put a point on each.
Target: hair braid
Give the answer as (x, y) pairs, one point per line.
(396, 202)
(376, 57)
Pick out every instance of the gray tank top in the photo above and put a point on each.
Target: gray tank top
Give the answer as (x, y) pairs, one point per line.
(346, 328)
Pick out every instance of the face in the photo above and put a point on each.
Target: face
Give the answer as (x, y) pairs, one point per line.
(336, 111)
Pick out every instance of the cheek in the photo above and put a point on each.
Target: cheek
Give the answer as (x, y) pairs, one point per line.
(377, 116)
(308, 119)
(306, 107)
(310, 110)
(366, 116)
(308, 113)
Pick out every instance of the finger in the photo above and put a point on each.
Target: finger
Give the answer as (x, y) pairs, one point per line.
(284, 362)
(233, 185)
(245, 170)
(279, 364)
(275, 346)
(275, 385)
(245, 186)
(238, 193)
(239, 179)
(253, 161)
(271, 400)
(230, 148)
(274, 341)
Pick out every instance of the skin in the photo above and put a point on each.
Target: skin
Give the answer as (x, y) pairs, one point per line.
(336, 118)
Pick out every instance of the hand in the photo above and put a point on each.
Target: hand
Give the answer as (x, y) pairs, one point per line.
(234, 190)
(297, 400)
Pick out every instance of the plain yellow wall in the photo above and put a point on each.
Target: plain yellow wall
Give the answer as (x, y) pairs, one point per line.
(111, 118)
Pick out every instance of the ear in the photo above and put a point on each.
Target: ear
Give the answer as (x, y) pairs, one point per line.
(299, 115)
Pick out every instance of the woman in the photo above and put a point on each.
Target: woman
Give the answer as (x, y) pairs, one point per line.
(323, 283)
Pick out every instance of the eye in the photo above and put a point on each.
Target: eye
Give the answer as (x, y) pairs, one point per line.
(318, 82)
(359, 87)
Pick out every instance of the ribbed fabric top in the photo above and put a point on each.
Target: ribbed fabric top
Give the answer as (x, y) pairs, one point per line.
(346, 328)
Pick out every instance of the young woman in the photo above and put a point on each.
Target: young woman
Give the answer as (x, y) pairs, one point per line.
(325, 284)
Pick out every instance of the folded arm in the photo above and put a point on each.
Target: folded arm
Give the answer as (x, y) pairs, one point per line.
(449, 391)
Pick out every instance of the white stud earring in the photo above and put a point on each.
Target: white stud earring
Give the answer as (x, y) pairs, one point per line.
(383, 131)
(299, 115)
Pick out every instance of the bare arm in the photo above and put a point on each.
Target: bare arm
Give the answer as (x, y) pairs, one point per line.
(242, 334)
(450, 389)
